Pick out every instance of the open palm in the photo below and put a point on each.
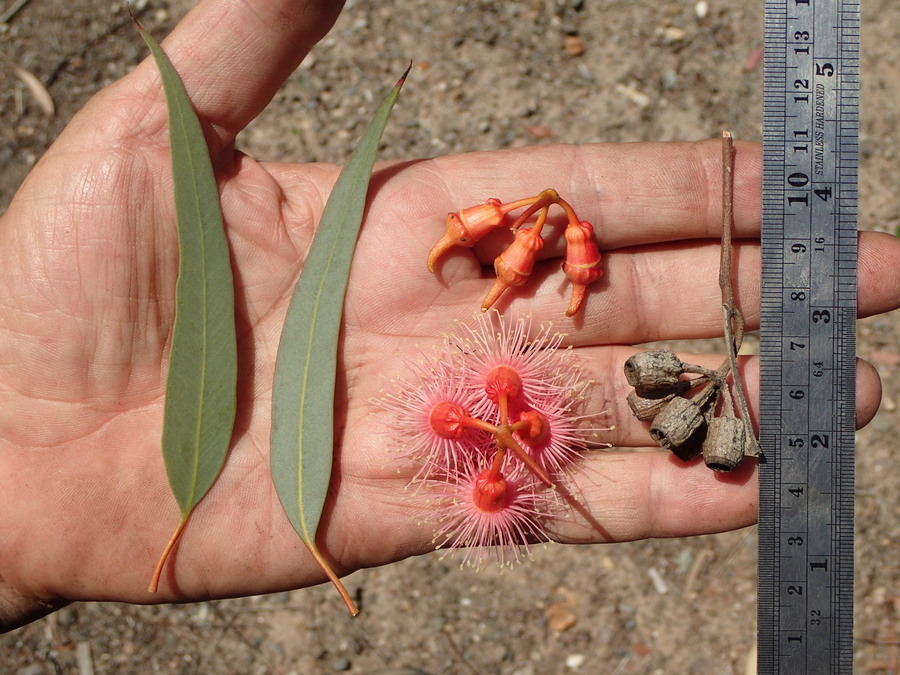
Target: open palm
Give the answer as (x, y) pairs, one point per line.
(88, 262)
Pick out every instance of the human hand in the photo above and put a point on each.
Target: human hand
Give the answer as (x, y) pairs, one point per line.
(88, 259)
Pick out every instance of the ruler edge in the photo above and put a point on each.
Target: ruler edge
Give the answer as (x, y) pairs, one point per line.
(773, 99)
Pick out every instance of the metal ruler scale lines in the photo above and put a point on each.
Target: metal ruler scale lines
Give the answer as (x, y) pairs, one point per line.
(808, 336)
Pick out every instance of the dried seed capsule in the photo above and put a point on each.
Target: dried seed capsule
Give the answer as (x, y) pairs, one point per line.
(678, 426)
(723, 447)
(645, 408)
(654, 371)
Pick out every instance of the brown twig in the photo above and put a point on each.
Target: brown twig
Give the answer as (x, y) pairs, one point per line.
(733, 319)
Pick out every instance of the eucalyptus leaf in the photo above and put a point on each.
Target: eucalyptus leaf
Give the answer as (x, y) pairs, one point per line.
(303, 391)
(202, 379)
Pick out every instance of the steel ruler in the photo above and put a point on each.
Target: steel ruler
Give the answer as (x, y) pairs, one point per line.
(808, 336)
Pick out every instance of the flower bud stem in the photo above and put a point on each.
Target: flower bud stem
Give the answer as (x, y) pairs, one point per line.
(541, 203)
(509, 443)
(570, 212)
(476, 423)
(503, 435)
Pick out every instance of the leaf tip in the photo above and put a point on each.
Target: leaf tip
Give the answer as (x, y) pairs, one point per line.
(133, 17)
(405, 74)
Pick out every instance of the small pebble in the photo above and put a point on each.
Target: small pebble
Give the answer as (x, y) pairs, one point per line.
(754, 58)
(538, 131)
(340, 665)
(886, 357)
(574, 45)
(34, 668)
(701, 9)
(641, 649)
(672, 34)
(575, 661)
(658, 582)
(633, 94)
(669, 78)
(559, 617)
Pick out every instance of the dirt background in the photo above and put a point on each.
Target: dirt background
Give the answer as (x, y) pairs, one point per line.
(488, 75)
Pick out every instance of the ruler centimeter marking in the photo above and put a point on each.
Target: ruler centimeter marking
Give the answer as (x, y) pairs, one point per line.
(808, 336)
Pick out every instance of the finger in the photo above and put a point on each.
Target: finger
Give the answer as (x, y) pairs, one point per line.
(633, 193)
(605, 366)
(233, 56)
(640, 495)
(878, 273)
(632, 496)
(665, 292)
(647, 293)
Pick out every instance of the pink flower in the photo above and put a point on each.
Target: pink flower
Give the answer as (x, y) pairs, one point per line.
(492, 517)
(427, 416)
(556, 436)
(491, 421)
(500, 354)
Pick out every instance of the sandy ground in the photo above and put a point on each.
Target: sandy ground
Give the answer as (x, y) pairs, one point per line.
(488, 75)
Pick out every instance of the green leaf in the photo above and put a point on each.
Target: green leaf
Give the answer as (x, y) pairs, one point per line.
(202, 380)
(303, 390)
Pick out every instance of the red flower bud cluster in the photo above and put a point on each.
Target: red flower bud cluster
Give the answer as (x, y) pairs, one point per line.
(513, 267)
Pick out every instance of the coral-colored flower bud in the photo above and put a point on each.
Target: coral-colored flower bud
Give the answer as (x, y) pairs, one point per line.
(537, 430)
(582, 264)
(490, 494)
(502, 380)
(467, 227)
(515, 264)
(446, 419)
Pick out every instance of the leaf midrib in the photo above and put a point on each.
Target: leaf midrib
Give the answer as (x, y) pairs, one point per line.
(306, 366)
